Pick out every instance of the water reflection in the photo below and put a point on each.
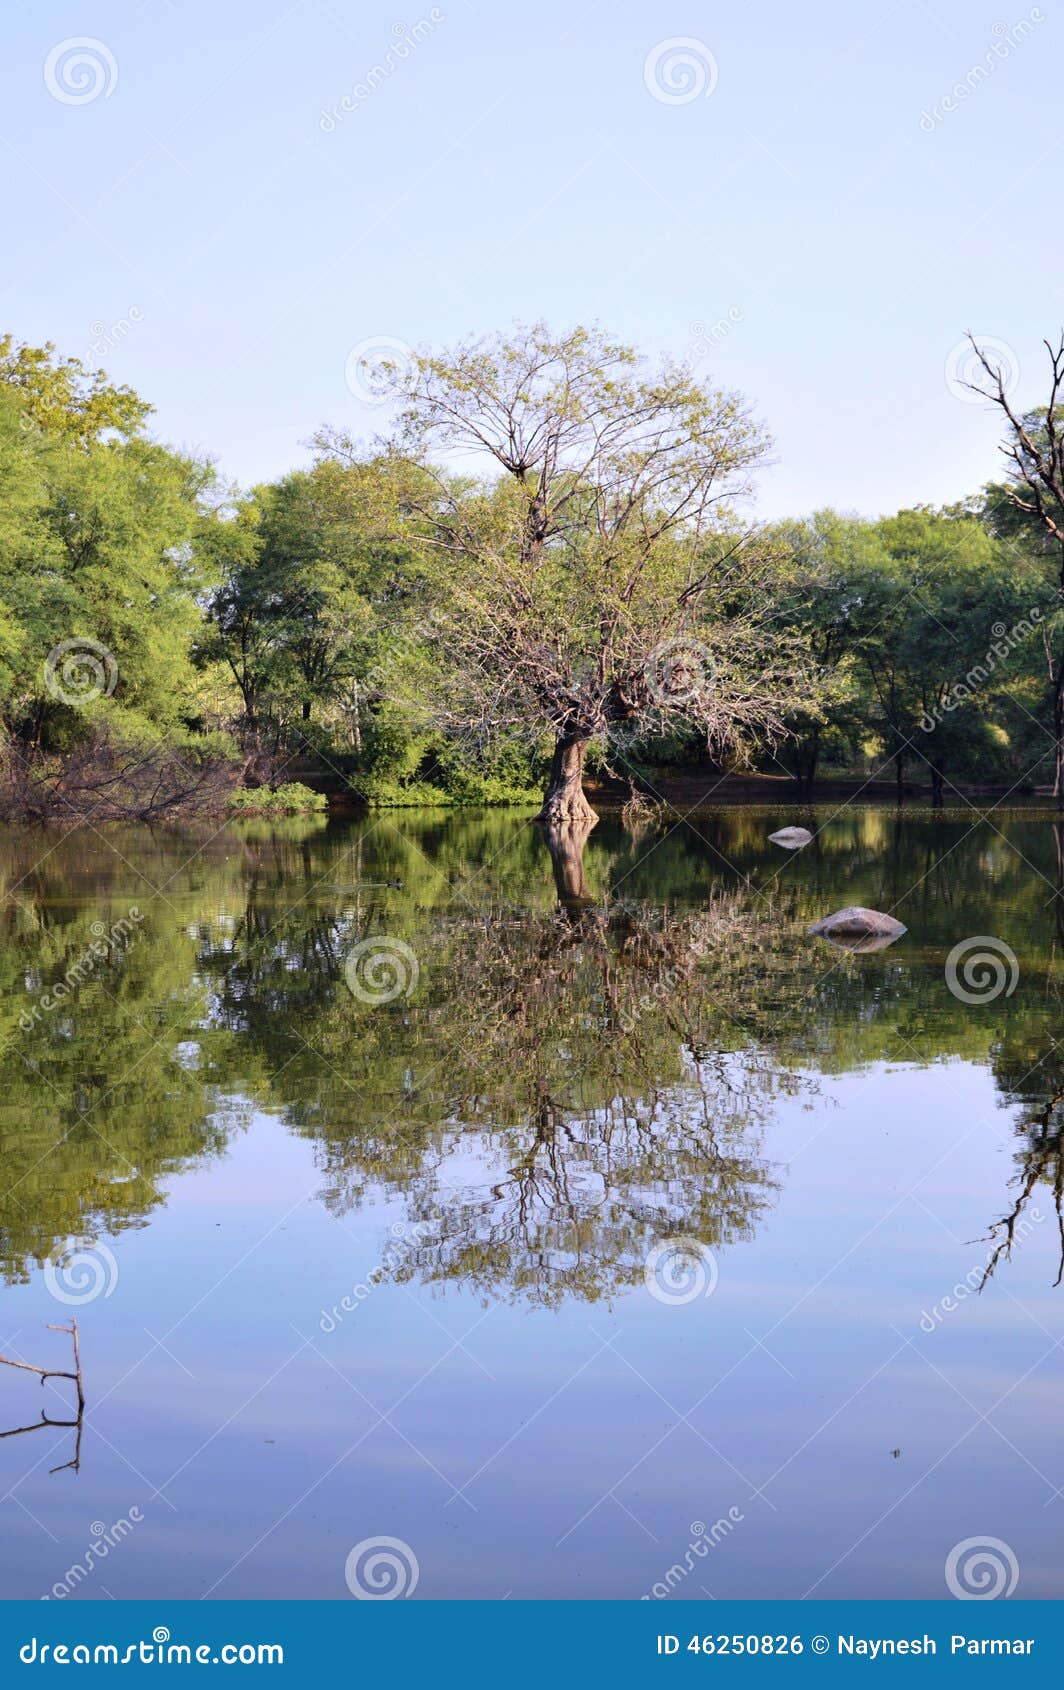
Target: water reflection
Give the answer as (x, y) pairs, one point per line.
(589, 1058)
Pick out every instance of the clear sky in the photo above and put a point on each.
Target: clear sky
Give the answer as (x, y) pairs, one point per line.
(785, 198)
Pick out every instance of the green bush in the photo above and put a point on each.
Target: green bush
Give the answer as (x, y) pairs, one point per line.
(292, 799)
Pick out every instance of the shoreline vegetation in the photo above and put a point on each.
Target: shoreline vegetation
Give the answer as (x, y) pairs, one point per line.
(588, 611)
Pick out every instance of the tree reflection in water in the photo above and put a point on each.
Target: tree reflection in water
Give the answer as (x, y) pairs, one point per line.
(578, 1071)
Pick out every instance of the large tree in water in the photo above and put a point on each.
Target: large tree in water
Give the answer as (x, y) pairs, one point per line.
(588, 572)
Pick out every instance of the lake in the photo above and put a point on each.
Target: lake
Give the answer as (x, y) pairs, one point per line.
(636, 1244)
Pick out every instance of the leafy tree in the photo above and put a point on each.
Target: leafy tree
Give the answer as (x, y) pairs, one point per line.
(586, 573)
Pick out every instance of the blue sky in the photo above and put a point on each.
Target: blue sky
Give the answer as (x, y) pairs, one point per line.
(801, 214)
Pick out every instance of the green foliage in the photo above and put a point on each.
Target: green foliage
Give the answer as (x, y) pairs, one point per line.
(426, 634)
(291, 799)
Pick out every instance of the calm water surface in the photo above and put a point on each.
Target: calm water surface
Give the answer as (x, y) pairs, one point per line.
(549, 1240)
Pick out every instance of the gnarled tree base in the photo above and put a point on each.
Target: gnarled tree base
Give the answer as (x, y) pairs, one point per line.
(564, 804)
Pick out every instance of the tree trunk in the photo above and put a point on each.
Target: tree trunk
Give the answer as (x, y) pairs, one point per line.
(937, 783)
(807, 759)
(899, 775)
(564, 804)
(1058, 734)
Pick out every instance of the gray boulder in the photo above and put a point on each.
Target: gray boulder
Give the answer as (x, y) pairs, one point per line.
(792, 837)
(858, 929)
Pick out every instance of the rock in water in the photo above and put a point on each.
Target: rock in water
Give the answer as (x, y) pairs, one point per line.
(792, 837)
(857, 929)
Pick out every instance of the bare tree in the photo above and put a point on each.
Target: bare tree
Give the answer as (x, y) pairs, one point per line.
(1034, 451)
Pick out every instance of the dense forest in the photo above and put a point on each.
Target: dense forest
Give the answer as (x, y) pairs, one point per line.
(550, 577)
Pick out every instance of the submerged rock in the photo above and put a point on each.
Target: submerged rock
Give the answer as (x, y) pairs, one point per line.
(858, 929)
(792, 837)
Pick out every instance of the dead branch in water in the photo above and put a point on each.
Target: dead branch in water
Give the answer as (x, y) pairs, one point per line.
(56, 1373)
